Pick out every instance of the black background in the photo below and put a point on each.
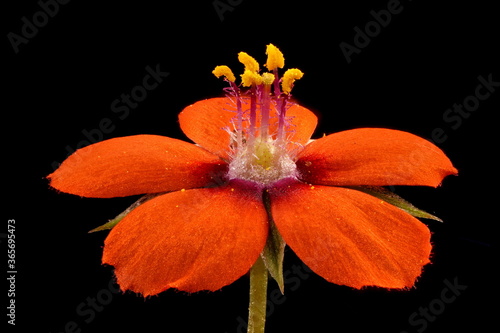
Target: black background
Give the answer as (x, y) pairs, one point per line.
(63, 81)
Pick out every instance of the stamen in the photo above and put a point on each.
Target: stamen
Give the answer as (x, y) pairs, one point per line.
(224, 71)
(250, 78)
(239, 109)
(275, 58)
(253, 115)
(257, 154)
(281, 118)
(289, 78)
(265, 107)
(267, 78)
(250, 63)
(233, 91)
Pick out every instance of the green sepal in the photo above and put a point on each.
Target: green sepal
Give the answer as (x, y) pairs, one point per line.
(274, 251)
(395, 200)
(111, 223)
(108, 225)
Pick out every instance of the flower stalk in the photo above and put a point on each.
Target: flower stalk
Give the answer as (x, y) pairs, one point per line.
(258, 297)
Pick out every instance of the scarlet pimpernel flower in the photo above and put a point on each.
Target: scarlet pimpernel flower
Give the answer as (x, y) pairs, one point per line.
(253, 182)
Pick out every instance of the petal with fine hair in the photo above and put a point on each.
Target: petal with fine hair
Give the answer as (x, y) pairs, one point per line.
(207, 123)
(373, 156)
(136, 165)
(349, 237)
(188, 240)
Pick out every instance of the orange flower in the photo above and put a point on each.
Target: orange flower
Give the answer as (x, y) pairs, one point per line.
(254, 165)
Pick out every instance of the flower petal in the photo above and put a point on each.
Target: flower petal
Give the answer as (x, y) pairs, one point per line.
(207, 123)
(351, 238)
(303, 123)
(136, 165)
(373, 156)
(189, 240)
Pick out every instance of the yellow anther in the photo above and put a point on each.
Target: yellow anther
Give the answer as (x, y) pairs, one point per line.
(289, 78)
(249, 78)
(275, 58)
(250, 63)
(224, 71)
(267, 78)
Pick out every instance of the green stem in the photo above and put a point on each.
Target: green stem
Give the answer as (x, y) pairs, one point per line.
(258, 297)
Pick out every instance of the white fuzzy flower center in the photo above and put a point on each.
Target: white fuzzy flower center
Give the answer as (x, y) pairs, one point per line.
(263, 162)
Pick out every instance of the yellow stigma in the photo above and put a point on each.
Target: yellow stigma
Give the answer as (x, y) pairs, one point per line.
(249, 78)
(264, 155)
(224, 71)
(289, 78)
(267, 78)
(275, 58)
(250, 63)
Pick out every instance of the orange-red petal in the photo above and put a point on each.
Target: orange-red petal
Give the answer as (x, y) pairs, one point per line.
(136, 165)
(199, 239)
(349, 237)
(207, 123)
(303, 124)
(373, 156)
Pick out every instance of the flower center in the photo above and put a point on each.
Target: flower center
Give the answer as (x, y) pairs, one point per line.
(264, 163)
(260, 151)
